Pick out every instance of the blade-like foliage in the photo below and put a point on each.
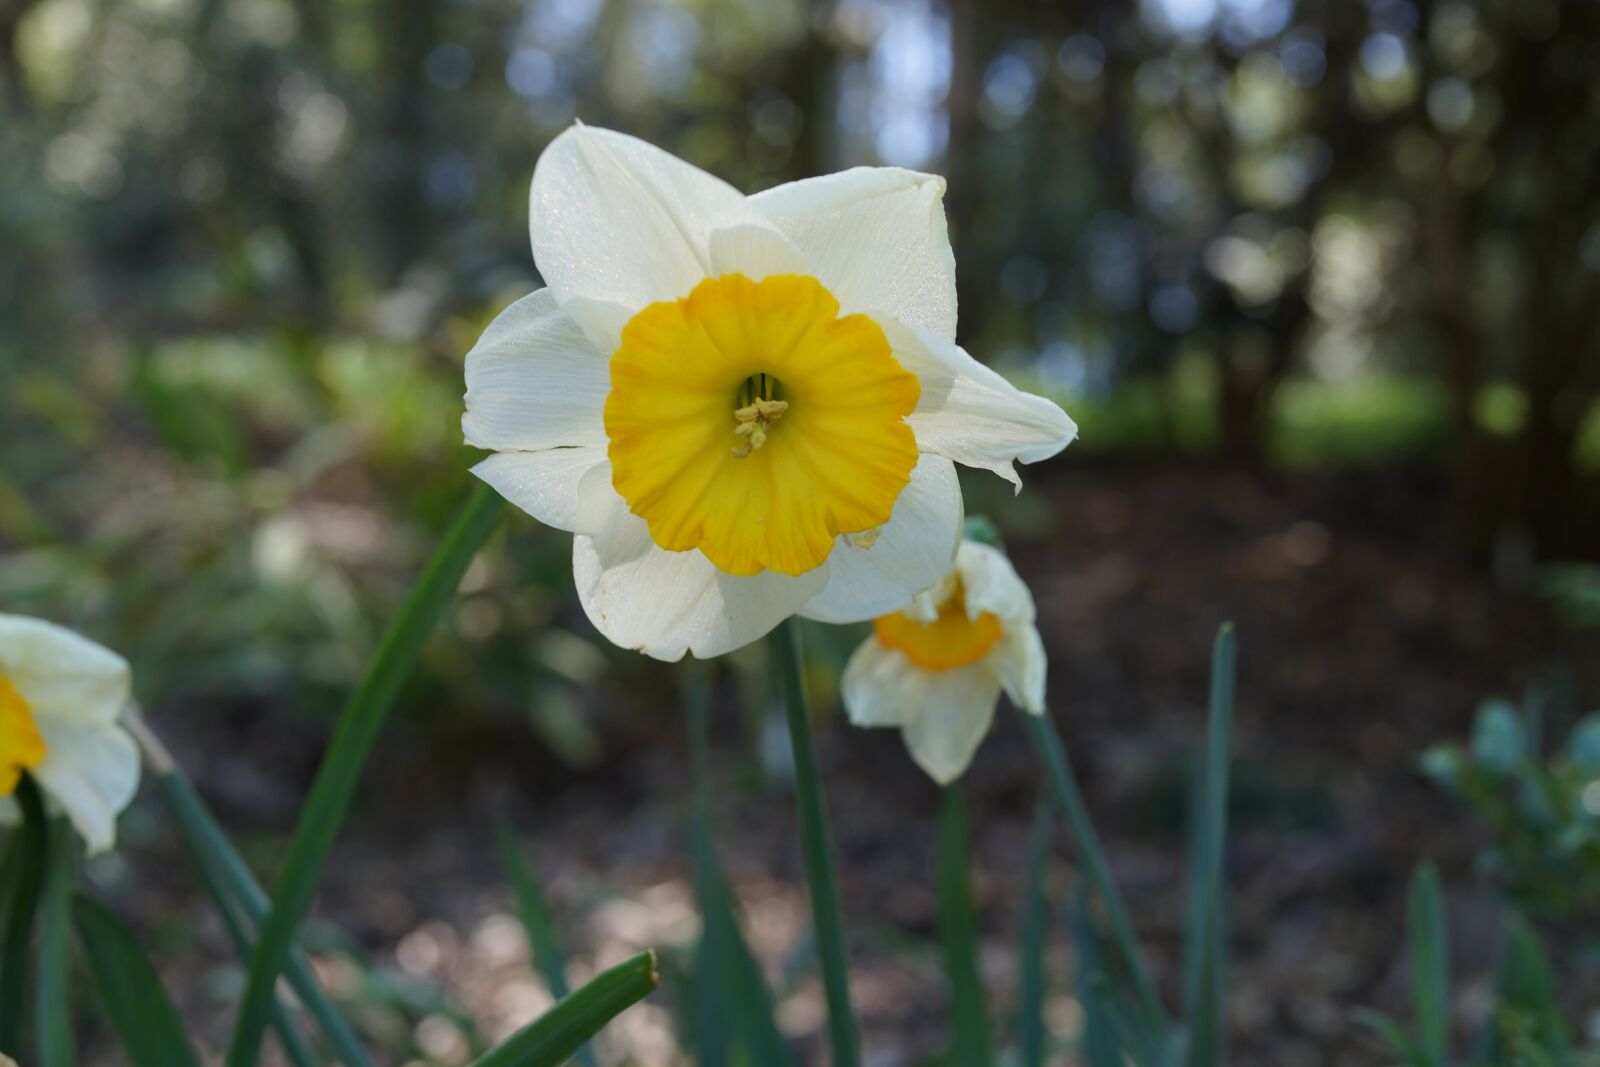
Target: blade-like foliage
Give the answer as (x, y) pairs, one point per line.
(537, 921)
(1205, 970)
(958, 930)
(144, 1018)
(1032, 985)
(336, 780)
(241, 901)
(24, 879)
(1429, 939)
(558, 1033)
(52, 1003)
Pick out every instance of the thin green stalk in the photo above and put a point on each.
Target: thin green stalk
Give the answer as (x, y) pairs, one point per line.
(52, 1006)
(340, 772)
(28, 879)
(958, 930)
(817, 850)
(1031, 984)
(130, 990)
(1053, 754)
(229, 881)
(1206, 967)
(552, 1038)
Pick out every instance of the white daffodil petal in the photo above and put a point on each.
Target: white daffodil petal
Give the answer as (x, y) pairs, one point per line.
(545, 483)
(618, 220)
(957, 709)
(877, 238)
(534, 381)
(664, 604)
(60, 674)
(755, 252)
(874, 686)
(1020, 662)
(92, 772)
(912, 551)
(991, 584)
(972, 415)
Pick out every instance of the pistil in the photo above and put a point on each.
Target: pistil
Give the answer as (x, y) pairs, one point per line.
(758, 412)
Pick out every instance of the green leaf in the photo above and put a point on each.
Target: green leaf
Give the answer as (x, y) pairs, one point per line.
(130, 990)
(52, 1000)
(336, 780)
(1032, 985)
(25, 881)
(726, 969)
(1205, 969)
(558, 1033)
(1429, 937)
(231, 885)
(1528, 986)
(958, 930)
(1052, 754)
(536, 921)
(1400, 1043)
(1499, 743)
(1583, 744)
(816, 848)
(1099, 1042)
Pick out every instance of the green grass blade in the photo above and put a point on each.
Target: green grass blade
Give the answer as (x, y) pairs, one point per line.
(26, 881)
(1052, 754)
(230, 883)
(1032, 985)
(1207, 966)
(131, 992)
(817, 850)
(1401, 1044)
(1529, 990)
(537, 921)
(1429, 938)
(341, 768)
(52, 1003)
(558, 1033)
(730, 967)
(958, 930)
(1099, 1045)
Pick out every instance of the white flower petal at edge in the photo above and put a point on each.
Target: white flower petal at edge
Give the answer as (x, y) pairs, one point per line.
(75, 692)
(662, 603)
(943, 715)
(534, 381)
(971, 414)
(912, 551)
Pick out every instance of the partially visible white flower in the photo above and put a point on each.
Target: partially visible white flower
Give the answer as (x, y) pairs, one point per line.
(936, 669)
(61, 701)
(745, 408)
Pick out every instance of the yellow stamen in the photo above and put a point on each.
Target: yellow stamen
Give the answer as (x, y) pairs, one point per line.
(22, 747)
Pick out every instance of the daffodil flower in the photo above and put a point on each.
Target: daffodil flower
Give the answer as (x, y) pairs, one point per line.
(61, 699)
(936, 670)
(744, 407)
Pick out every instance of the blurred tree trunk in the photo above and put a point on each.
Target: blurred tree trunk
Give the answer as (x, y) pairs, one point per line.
(963, 198)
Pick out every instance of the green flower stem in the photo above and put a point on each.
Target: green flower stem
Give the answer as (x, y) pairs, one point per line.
(1053, 754)
(234, 890)
(817, 848)
(958, 930)
(52, 1005)
(26, 869)
(336, 780)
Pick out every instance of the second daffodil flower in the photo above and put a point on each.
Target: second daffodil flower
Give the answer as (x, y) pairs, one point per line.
(744, 407)
(936, 670)
(61, 702)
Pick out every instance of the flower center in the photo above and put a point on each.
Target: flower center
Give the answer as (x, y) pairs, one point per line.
(951, 640)
(22, 747)
(759, 407)
(769, 352)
